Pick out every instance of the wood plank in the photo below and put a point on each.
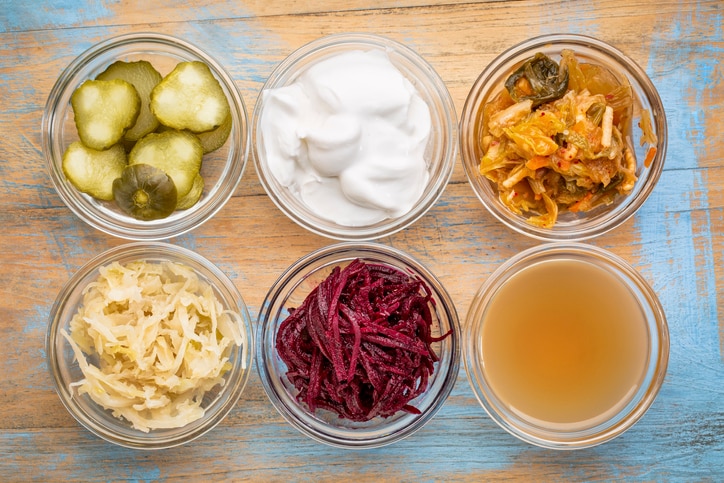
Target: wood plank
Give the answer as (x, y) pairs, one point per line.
(676, 241)
(26, 16)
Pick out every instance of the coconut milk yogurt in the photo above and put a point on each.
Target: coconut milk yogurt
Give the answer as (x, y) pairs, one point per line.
(348, 138)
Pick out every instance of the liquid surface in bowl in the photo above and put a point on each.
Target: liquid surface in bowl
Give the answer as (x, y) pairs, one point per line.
(565, 344)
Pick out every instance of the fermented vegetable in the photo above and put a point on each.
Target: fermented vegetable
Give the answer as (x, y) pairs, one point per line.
(145, 192)
(92, 171)
(177, 153)
(143, 77)
(117, 126)
(213, 140)
(152, 339)
(538, 79)
(360, 344)
(104, 110)
(193, 196)
(557, 138)
(190, 97)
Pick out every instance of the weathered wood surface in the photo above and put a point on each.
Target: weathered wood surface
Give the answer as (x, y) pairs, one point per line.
(676, 241)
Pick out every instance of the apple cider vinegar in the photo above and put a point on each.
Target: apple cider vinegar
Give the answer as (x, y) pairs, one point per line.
(564, 344)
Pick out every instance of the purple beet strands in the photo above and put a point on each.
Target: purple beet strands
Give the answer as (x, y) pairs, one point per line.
(360, 343)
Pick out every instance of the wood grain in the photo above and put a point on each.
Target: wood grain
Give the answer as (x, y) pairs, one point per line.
(676, 241)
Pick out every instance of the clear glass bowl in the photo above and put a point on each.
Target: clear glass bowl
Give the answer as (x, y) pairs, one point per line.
(64, 368)
(610, 424)
(440, 152)
(569, 226)
(292, 288)
(222, 169)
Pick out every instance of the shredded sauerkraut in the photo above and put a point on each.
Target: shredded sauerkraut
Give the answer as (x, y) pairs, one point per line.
(151, 339)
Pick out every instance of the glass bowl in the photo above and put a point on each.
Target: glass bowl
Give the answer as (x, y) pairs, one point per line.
(618, 378)
(65, 369)
(221, 169)
(439, 155)
(569, 225)
(290, 290)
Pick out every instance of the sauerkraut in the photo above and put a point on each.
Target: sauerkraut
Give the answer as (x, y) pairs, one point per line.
(151, 339)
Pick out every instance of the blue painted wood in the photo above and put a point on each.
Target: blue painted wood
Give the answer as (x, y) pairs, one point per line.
(676, 241)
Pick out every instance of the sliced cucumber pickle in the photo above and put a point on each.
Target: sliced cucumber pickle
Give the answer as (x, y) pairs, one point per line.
(104, 110)
(176, 153)
(190, 97)
(193, 196)
(141, 75)
(143, 136)
(92, 171)
(213, 140)
(145, 192)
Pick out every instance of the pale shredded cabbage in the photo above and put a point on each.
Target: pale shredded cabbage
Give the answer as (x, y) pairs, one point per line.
(158, 339)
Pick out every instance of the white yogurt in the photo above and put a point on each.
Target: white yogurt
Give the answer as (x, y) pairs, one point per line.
(348, 138)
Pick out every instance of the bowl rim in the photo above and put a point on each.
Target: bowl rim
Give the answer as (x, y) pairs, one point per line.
(238, 376)
(630, 69)
(657, 331)
(286, 70)
(334, 255)
(238, 145)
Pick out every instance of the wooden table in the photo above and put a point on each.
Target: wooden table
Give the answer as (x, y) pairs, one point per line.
(676, 240)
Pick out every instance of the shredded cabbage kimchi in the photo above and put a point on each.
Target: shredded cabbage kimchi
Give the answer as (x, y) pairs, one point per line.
(555, 138)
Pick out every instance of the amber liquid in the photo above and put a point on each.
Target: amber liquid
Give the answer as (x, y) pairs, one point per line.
(565, 344)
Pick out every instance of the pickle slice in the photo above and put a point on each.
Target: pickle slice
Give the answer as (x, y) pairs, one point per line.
(145, 192)
(210, 140)
(92, 171)
(213, 140)
(176, 153)
(190, 97)
(104, 110)
(141, 75)
(193, 196)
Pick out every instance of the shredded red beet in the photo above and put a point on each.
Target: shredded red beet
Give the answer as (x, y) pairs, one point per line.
(360, 343)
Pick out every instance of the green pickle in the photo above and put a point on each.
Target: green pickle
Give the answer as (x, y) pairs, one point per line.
(92, 171)
(191, 98)
(143, 136)
(213, 140)
(104, 111)
(143, 77)
(177, 153)
(145, 192)
(193, 196)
